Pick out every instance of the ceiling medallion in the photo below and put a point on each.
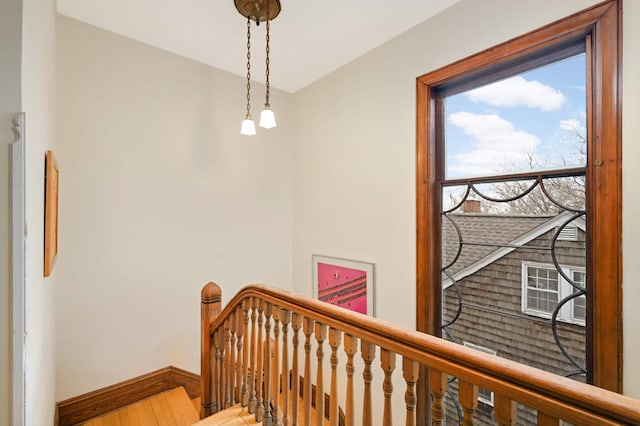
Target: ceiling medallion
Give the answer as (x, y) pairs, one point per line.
(258, 10)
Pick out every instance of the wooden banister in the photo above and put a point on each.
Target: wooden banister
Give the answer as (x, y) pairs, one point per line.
(554, 397)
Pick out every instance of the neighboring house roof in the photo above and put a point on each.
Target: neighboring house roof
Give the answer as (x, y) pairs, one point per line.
(489, 237)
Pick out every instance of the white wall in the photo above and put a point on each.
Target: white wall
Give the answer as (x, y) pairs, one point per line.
(631, 195)
(159, 194)
(354, 156)
(38, 97)
(10, 104)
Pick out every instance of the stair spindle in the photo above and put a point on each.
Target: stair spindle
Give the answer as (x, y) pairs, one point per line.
(235, 357)
(410, 370)
(350, 349)
(260, 368)
(468, 401)
(228, 362)
(388, 364)
(438, 387)
(275, 367)
(505, 410)
(334, 342)
(285, 318)
(307, 329)
(268, 419)
(321, 334)
(295, 373)
(368, 352)
(245, 352)
(216, 395)
(253, 358)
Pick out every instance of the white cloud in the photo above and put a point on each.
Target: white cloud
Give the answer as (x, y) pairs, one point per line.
(495, 144)
(516, 91)
(572, 125)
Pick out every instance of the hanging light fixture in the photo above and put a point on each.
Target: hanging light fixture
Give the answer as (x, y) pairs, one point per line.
(258, 11)
(267, 117)
(248, 126)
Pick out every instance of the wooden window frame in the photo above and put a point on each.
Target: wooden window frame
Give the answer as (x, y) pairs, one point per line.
(599, 27)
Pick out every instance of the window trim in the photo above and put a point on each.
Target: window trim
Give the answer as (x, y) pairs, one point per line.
(564, 290)
(600, 28)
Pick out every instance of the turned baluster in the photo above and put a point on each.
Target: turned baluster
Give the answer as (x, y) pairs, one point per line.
(228, 348)
(468, 401)
(253, 359)
(368, 352)
(245, 353)
(410, 372)
(217, 373)
(334, 342)
(222, 373)
(236, 334)
(210, 307)
(260, 368)
(285, 317)
(307, 329)
(505, 410)
(388, 364)
(268, 419)
(275, 367)
(321, 334)
(295, 373)
(438, 387)
(350, 349)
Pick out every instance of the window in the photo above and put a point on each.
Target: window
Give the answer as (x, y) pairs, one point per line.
(484, 395)
(543, 287)
(597, 30)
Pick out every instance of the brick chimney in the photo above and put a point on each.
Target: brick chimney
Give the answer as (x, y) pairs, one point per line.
(471, 206)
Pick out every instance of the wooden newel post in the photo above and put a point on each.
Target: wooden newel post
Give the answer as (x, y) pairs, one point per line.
(210, 308)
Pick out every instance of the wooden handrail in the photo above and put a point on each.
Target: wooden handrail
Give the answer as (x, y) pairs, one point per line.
(548, 393)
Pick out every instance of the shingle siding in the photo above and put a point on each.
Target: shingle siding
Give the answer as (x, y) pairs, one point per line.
(492, 314)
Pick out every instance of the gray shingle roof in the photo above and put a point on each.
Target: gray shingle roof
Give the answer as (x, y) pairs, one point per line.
(482, 234)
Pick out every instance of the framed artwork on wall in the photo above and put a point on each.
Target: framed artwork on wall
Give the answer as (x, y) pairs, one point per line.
(50, 212)
(345, 283)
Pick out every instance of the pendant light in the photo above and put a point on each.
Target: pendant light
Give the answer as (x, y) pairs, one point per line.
(267, 117)
(258, 11)
(248, 126)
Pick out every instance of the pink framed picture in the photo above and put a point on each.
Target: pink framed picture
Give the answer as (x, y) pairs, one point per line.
(345, 283)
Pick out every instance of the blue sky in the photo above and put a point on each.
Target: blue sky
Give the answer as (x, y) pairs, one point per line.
(496, 128)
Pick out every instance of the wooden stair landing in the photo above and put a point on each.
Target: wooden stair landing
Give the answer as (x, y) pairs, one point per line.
(170, 408)
(239, 416)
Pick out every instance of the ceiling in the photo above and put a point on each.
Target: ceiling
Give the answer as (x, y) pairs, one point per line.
(309, 39)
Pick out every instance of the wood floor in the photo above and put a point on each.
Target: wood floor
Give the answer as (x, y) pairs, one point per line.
(174, 408)
(170, 408)
(239, 416)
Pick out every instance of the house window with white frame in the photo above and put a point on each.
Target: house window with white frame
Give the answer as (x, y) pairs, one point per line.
(485, 396)
(543, 287)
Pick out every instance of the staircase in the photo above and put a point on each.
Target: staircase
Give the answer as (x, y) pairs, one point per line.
(174, 408)
(265, 338)
(170, 408)
(257, 347)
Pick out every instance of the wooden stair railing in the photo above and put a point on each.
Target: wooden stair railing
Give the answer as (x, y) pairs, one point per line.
(237, 368)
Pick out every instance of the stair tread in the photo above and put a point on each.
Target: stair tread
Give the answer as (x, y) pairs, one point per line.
(236, 415)
(170, 408)
(239, 416)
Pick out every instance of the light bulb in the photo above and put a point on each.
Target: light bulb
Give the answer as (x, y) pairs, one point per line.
(267, 118)
(248, 127)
